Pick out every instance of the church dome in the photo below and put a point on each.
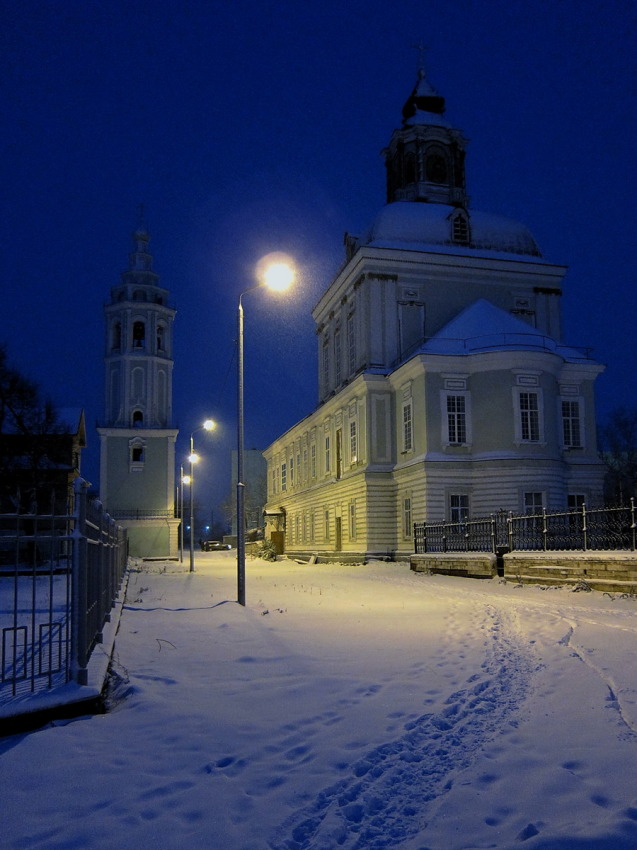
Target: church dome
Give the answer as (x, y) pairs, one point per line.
(440, 227)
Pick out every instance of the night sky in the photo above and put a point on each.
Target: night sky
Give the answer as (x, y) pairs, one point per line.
(247, 127)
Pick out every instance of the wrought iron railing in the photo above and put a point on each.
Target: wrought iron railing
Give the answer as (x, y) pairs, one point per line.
(59, 577)
(607, 528)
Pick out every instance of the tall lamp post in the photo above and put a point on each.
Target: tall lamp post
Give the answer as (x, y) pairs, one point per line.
(183, 480)
(208, 425)
(276, 272)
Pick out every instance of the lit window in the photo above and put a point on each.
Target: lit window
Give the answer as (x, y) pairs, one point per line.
(284, 476)
(328, 458)
(353, 442)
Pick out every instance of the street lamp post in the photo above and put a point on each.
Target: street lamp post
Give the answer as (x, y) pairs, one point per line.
(182, 481)
(208, 425)
(275, 271)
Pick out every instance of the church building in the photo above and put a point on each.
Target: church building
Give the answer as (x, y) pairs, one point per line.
(444, 387)
(137, 438)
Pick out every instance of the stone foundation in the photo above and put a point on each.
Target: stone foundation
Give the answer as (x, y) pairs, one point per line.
(614, 572)
(469, 564)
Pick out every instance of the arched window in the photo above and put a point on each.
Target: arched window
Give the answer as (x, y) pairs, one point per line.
(138, 419)
(139, 334)
(136, 454)
(161, 338)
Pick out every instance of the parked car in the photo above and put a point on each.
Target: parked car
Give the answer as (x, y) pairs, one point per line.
(215, 545)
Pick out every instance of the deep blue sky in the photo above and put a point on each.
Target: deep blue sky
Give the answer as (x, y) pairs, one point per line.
(250, 126)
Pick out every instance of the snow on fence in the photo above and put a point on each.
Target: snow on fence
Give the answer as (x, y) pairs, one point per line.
(582, 529)
(59, 578)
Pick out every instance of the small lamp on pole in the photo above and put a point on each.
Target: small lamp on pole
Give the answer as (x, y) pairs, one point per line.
(193, 457)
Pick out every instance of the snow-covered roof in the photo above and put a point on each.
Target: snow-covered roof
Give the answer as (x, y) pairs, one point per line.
(418, 226)
(484, 327)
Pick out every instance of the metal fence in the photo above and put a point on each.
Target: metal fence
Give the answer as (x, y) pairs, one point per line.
(59, 578)
(581, 529)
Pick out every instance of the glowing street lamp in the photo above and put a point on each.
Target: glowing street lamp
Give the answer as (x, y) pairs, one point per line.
(193, 457)
(184, 481)
(275, 271)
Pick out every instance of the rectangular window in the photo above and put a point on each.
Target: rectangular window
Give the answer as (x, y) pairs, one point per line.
(291, 470)
(352, 520)
(305, 464)
(284, 476)
(313, 460)
(456, 419)
(337, 359)
(326, 526)
(312, 531)
(458, 507)
(353, 442)
(576, 501)
(328, 456)
(407, 524)
(532, 503)
(571, 429)
(351, 344)
(529, 417)
(407, 427)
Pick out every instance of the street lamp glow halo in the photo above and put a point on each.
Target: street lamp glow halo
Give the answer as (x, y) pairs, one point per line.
(276, 271)
(185, 479)
(209, 425)
(193, 458)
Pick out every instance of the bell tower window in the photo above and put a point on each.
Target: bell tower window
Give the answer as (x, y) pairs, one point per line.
(138, 419)
(139, 334)
(436, 168)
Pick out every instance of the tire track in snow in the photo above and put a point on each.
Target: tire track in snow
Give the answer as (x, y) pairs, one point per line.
(389, 793)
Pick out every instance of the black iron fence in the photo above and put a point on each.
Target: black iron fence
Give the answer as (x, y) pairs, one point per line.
(584, 529)
(59, 577)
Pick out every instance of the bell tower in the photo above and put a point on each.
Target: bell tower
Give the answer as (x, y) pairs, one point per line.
(425, 158)
(137, 457)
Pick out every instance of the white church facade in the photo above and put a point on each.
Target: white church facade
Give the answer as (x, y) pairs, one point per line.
(445, 389)
(137, 439)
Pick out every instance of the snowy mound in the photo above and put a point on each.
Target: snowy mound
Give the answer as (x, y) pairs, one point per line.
(406, 224)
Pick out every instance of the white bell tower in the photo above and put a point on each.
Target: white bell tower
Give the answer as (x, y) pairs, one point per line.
(137, 458)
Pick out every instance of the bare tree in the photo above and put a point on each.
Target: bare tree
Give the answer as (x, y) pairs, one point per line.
(618, 446)
(28, 421)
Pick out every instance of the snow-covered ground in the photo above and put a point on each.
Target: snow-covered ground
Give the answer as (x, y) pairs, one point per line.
(344, 707)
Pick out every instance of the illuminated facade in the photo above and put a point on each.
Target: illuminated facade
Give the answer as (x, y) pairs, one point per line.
(444, 387)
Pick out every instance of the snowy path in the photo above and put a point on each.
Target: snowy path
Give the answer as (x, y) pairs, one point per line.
(344, 707)
(385, 798)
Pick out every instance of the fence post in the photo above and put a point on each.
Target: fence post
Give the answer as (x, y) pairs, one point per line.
(584, 528)
(78, 615)
(510, 530)
(545, 530)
